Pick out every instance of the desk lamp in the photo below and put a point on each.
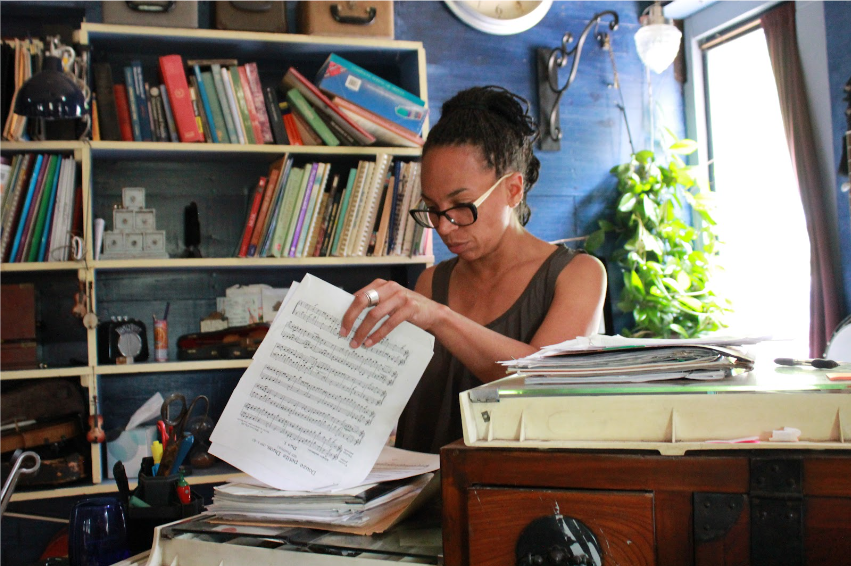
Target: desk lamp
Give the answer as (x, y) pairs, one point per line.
(53, 93)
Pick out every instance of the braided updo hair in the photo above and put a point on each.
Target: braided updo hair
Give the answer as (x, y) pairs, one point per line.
(496, 121)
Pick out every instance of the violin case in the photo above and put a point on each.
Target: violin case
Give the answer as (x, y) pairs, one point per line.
(232, 343)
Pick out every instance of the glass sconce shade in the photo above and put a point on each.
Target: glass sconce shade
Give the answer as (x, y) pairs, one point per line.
(658, 45)
(51, 94)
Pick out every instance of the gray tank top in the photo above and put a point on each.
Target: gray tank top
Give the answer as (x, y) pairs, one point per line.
(432, 417)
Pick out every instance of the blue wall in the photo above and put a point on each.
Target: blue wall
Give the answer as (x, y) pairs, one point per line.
(837, 19)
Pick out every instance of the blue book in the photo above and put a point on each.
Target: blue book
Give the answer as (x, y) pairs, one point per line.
(205, 102)
(48, 221)
(169, 115)
(276, 209)
(142, 101)
(27, 205)
(130, 84)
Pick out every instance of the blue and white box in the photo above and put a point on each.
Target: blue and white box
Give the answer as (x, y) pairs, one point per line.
(347, 80)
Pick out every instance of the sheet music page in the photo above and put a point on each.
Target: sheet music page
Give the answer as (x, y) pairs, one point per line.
(310, 413)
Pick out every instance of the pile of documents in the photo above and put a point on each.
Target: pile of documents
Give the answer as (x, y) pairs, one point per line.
(615, 359)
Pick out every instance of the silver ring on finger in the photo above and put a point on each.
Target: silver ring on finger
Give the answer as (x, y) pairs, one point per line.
(372, 297)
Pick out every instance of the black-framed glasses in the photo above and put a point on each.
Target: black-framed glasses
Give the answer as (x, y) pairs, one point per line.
(462, 214)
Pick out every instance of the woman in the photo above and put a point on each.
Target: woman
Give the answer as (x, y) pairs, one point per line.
(507, 293)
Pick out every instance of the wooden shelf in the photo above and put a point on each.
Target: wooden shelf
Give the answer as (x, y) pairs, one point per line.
(78, 371)
(165, 367)
(129, 150)
(247, 263)
(41, 266)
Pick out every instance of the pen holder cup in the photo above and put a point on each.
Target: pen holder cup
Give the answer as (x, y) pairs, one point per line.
(158, 491)
(141, 521)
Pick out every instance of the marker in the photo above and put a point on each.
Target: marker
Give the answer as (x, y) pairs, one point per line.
(819, 363)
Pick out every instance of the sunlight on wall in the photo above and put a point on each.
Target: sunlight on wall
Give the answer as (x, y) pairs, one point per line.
(766, 252)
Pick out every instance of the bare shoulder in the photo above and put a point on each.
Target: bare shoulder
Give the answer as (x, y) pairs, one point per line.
(423, 286)
(583, 271)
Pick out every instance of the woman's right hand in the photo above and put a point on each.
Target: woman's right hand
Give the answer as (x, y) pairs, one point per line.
(397, 303)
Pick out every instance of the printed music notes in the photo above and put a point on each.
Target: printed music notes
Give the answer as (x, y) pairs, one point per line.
(311, 413)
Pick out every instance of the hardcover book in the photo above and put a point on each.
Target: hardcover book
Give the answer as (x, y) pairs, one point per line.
(214, 101)
(306, 111)
(107, 113)
(174, 78)
(259, 102)
(125, 122)
(276, 119)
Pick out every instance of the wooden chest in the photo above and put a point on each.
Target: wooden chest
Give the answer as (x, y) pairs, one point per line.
(773, 507)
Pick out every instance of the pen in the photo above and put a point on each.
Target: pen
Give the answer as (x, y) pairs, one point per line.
(819, 363)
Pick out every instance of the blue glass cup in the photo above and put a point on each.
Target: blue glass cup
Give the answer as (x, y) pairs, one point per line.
(97, 533)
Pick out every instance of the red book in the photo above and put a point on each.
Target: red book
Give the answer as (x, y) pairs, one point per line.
(122, 105)
(174, 78)
(259, 101)
(268, 197)
(292, 130)
(252, 217)
(249, 103)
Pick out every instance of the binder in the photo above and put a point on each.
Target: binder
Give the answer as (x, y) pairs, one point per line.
(372, 201)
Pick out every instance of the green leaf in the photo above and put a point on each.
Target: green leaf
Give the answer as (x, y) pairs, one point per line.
(679, 330)
(627, 202)
(644, 156)
(606, 225)
(595, 240)
(635, 281)
(684, 147)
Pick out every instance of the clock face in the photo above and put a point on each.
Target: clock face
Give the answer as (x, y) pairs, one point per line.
(500, 17)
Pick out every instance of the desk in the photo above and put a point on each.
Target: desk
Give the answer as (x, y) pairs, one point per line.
(719, 508)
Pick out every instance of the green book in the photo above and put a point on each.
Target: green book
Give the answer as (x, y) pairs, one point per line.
(34, 237)
(41, 253)
(286, 213)
(303, 107)
(209, 94)
(344, 205)
(243, 106)
(303, 189)
(216, 71)
(315, 197)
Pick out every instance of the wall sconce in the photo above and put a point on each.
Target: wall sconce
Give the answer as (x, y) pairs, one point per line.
(549, 62)
(657, 40)
(53, 93)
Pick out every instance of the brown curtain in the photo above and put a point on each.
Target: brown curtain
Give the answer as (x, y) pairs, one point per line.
(825, 299)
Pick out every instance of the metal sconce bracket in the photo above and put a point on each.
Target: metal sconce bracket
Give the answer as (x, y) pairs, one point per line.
(549, 61)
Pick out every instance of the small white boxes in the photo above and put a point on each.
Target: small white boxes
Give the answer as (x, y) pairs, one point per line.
(134, 234)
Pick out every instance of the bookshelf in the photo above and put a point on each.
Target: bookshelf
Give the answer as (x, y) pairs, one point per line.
(219, 178)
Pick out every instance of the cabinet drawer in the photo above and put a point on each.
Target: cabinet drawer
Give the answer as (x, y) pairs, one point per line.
(622, 522)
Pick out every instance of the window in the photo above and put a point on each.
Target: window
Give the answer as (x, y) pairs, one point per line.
(765, 255)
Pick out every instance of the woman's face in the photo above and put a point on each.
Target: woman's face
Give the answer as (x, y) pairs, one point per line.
(452, 175)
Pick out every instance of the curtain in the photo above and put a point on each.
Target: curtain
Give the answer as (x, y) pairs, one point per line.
(825, 298)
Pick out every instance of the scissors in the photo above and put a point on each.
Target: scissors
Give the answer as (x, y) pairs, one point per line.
(175, 426)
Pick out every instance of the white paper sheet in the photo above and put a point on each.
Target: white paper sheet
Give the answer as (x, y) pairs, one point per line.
(311, 413)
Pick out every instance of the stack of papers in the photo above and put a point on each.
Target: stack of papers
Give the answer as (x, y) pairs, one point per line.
(614, 359)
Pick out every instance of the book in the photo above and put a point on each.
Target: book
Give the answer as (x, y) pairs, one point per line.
(259, 102)
(346, 79)
(174, 78)
(406, 205)
(44, 237)
(241, 104)
(306, 133)
(327, 212)
(398, 168)
(372, 202)
(254, 118)
(313, 234)
(378, 244)
(251, 219)
(286, 211)
(275, 214)
(353, 211)
(268, 196)
(313, 207)
(122, 106)
(227, 84)
(276, 120)
(385, 131)
(294, 79)
(306, 111)
(204, 96)
(17, 199)
(46, 205)
(142, 101)
(160, 130)
(173, 135)
(130, 86)
(221, 93)
(216, 111)
(305, 204)
(341, 212)
(27, 214)
(293, 133)
(57, 249)
(107, 112)
(198, 108)
(411, 230)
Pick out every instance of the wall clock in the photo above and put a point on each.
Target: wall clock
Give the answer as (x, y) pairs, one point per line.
(500, 17)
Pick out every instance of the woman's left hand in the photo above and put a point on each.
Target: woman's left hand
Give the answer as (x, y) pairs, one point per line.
(393, 301)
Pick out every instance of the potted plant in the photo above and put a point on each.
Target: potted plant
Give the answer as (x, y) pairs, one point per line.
(667, 261)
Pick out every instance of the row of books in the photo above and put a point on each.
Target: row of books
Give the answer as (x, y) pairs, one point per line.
(41, 208)
(221, 101)
(20, 60)
(316, 210)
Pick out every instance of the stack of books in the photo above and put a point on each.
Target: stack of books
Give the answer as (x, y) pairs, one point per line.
(320, 210)
(41, 208)
(222, 101)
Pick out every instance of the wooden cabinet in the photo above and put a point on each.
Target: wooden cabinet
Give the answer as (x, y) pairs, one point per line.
(219, 178)
(739, 507)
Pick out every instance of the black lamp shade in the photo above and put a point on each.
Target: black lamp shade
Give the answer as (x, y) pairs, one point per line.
(51, 94)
